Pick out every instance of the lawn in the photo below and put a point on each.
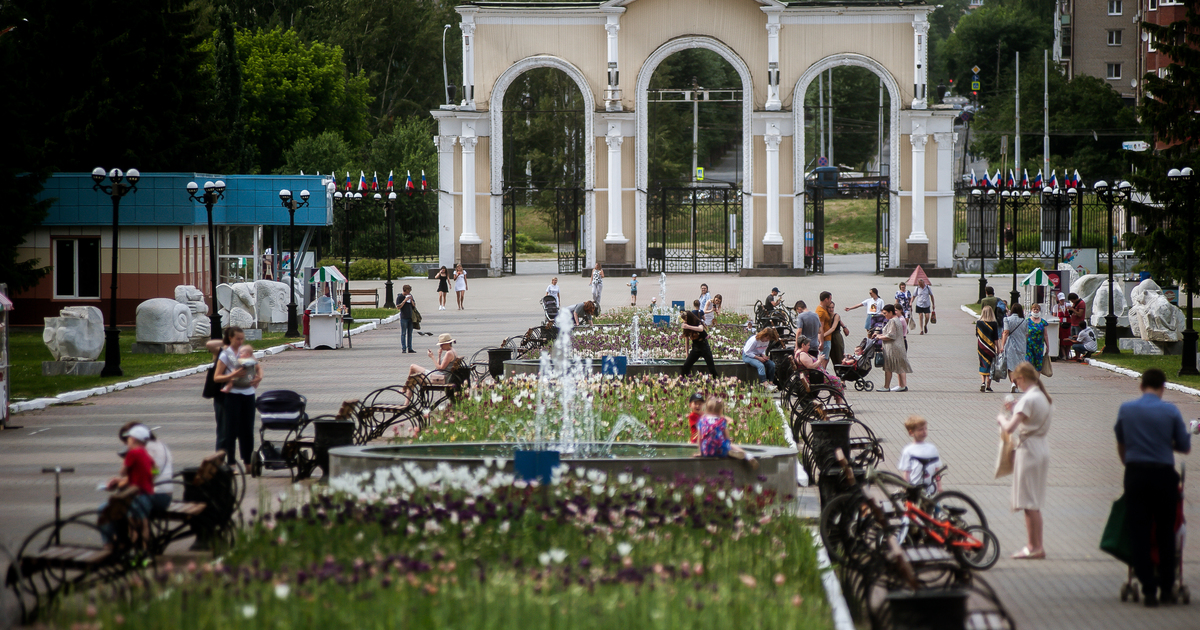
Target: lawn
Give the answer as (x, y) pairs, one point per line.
(535, 225)
(27, 351)
(851, 224)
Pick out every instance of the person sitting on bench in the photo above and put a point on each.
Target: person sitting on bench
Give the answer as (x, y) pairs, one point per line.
(445, 357)
(137, 472)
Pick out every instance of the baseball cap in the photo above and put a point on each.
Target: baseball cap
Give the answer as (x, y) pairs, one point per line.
(138, 432)
(1061, 296)
(635, 275)
(696, 397)
(775, 289)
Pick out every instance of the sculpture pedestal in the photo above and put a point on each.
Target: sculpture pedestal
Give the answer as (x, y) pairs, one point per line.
(72, 368)
(147, 347)
(468, 253)
(614, 254)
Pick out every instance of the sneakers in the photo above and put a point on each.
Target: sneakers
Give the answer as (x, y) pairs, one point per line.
(770, 386)
(899, 389)
(441, 308)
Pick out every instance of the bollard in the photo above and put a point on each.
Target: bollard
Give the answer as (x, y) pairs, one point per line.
(496, 359)
(826, 437)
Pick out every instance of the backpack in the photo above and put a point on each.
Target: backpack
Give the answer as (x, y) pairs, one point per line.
(1001, 309)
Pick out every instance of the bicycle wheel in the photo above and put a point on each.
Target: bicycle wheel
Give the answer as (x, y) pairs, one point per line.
(834, 527)
(983, 557)
(959, 508)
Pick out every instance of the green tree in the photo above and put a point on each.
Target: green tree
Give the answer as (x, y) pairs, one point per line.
(942, 23)
(292, 90)
(238, 157)
(323, 153)
(20, 214)
(855, 117)
(989, 37)
(670, 123)
(1167, 109)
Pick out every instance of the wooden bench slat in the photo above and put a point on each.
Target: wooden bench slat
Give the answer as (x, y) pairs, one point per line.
(181, 508)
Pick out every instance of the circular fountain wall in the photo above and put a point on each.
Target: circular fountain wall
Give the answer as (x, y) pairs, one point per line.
(652, 367)
(776, 470)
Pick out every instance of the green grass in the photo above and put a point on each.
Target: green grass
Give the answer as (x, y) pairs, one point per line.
(534, 225)
(851, 224)
(1142, 362)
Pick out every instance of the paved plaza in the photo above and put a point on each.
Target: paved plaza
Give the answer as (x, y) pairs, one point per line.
(1076, 587)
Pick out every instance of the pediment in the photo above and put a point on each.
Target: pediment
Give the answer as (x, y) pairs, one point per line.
(623, 3)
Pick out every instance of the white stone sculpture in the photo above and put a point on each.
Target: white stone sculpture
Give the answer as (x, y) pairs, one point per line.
(239, 304)
(1100, 303)
(76, 334)
(1085, 287)
(1152, 317)
(287, 280)
(272, 302)
(163, 320)
(193, 298)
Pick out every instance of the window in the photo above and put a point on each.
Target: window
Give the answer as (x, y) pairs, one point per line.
(1114, 71)
(1114, 7)
(1153, 5)
(77, 268)
(1114, 37)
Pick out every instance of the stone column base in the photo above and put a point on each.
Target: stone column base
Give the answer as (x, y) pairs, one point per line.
(918, 254)
(469, 253)
(614, 253)
(772, 255)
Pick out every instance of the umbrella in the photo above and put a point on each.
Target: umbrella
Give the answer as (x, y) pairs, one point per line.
(1037, 278)
(328, 274)
(918, 273)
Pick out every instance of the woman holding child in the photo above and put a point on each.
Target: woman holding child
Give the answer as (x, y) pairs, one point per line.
(239, 378)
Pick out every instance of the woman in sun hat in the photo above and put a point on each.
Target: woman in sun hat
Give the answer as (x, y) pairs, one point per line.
(445, 356)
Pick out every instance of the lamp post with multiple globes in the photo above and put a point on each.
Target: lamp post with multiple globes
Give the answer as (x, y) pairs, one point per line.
(213, 192)
(1119, 191)
(1184, 178)
(292, 205)
(117, 189)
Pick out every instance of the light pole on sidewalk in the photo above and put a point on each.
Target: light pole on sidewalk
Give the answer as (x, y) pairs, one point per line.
(117, 190)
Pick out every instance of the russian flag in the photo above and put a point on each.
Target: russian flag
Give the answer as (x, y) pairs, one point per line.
(1012, 182)
(1037, 181)
(1024, 178)
(374, 180)
(347, 180)
(1054, 179)
(362, 180)
(424, 183)
(409, 188)
(997, 180)
(389, 184)
(1076, 178)
(974, 182)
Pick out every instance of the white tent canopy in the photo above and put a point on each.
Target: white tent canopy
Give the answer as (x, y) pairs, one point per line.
(1037, 278)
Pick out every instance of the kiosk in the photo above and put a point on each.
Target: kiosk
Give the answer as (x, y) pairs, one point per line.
(325, 313)
(1038, 288)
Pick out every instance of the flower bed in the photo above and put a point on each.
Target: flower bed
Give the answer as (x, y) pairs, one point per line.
(503, 411)
(614, 330)
(455, 549)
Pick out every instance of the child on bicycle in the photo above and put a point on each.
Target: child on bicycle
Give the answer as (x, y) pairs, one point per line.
(920, 458)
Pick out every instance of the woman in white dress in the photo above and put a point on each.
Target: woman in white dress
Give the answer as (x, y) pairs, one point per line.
(460, 284)
(1029, 420)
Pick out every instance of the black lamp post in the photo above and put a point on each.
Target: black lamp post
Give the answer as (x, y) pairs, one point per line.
(352, 199)
(389, 213)
(1017, 197)
(977, 197)
(1184, 177)
(292, 205)
(1118, 192)
(213, 192)
(118, 189)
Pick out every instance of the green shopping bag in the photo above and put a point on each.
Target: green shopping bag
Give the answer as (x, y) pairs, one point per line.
(1116, 539)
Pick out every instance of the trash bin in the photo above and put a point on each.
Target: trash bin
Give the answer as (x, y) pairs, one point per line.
(934, 609)
(217, 495)
(496, 359)
(330, 434)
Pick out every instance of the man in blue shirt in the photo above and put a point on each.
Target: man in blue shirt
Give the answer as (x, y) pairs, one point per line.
(1149, 431)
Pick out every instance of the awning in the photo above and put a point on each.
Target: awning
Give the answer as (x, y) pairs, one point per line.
(5, 303)
(327, 274)
(1037, 278)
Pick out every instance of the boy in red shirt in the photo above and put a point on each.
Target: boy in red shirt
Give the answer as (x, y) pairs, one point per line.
(695, 403)
(138, 472)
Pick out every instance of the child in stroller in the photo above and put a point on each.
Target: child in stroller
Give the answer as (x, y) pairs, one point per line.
(856, 366)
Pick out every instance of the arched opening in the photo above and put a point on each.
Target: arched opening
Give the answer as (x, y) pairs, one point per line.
(848, 116)
(695, 137)
(544, 153)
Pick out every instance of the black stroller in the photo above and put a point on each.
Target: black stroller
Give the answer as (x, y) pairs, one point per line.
(872, 354)
(283, 411)
(550, 306)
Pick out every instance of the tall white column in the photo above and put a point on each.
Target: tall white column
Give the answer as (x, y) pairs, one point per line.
(616, 213)
(468, 54)
(612, 96)
(772, 139)
(468, 140)
(918, 139)
(920, 54)
(773, 26)
(945, 199)
(445, 151)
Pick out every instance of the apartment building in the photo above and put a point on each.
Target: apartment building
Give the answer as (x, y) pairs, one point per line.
(1102, 38)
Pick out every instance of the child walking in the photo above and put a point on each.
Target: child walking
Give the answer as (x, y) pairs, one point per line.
(713, 434)
(632, 284)
(920, 458)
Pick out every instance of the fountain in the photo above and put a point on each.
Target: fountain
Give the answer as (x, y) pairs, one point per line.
(566, 422)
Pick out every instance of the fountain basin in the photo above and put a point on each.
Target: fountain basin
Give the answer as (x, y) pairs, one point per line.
(776, 464)
(653, 367)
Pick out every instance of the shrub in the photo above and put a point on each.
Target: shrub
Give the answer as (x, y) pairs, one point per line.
(1024, 265)
(369, 268)
(526, 245)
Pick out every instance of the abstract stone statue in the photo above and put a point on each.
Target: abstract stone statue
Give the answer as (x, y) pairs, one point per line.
(76, 334)
(1152, 317)
(1100, 303)
(163, 320)
(193, 298)
(1085, 287)
(272, 302)
(239, 304)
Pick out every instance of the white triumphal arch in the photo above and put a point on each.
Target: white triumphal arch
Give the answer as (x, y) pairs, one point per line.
(773, 46)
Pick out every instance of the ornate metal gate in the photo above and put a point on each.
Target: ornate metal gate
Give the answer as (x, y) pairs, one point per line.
(564, 208)
(883, 226)
(814, 228)
(694, 229)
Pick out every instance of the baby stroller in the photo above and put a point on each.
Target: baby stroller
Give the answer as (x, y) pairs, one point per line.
(550, 306)
(283, 411)
(1131, 589)
(871, 349)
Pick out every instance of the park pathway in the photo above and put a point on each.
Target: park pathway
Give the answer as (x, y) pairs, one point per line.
(1075, 588)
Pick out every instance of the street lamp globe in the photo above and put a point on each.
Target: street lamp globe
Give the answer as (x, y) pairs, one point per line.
(98, 174)
(192, 188)
(378, 196)
(133, 175)
(1026, 194)
(337, 195)
(1125, 187)
(1100, 186)
(391, 196)
(358, 195)
(1186, 172)
(1174, 174)
(304, 195)
(285, 195)
(220, 185)
(1047, 191)
(209, 186)
(116, 175)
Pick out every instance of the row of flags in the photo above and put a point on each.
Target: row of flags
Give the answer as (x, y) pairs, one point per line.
(1069, 180)
(409, 186)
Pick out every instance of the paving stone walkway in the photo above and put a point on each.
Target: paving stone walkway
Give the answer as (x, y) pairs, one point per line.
(1075, 588)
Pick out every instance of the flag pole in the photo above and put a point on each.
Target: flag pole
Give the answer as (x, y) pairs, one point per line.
(1045, 110)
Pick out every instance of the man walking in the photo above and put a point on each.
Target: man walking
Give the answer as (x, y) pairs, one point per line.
(1149, 430)
(407, 303)
(809, 326)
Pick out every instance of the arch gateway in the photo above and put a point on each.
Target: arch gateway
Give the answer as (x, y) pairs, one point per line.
(611, 48)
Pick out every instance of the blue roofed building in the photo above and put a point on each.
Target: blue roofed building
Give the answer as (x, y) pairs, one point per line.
(163, 239)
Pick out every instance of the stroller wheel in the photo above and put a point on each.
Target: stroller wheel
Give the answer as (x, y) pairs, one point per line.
(256, 464)
(870, 385)
(858, 385)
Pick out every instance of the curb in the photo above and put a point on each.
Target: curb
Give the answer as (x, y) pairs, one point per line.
(1116, 368)
(833, 588)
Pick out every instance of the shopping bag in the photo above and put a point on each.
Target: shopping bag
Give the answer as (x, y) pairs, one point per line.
(1004, 459)
(999, 373)
(933, 318)
(1046, 369)
(879, 359)
(1115, 540)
